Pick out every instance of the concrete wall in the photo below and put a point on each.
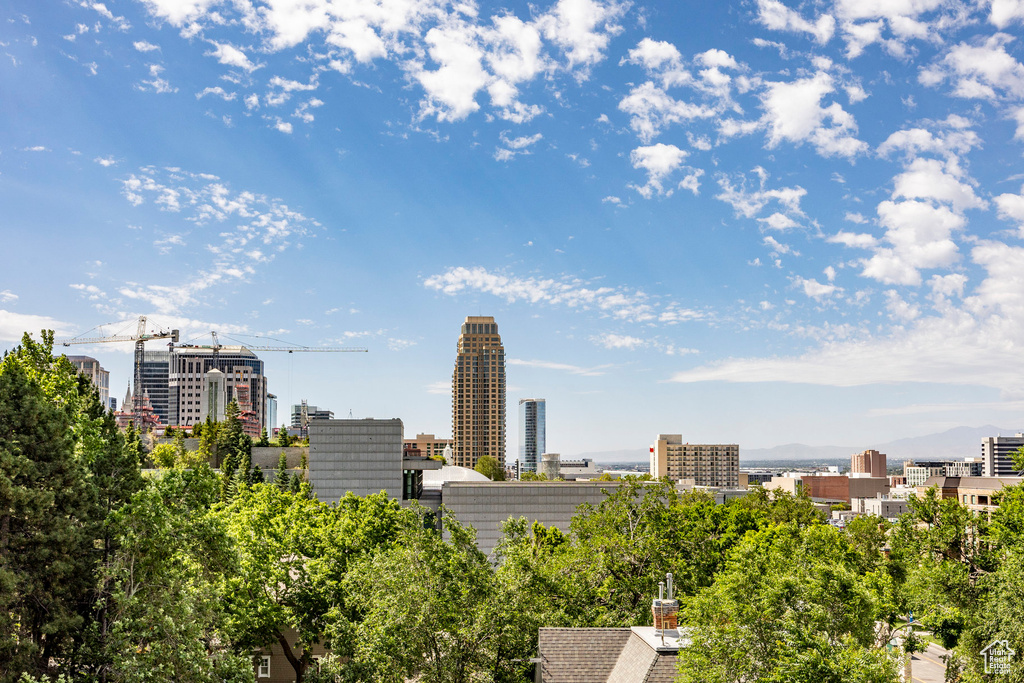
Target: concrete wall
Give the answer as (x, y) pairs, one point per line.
(361, 456)
(485, 505)
(267, 456)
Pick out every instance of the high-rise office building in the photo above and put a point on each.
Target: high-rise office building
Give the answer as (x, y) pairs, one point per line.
(997, 454)
(478, 393)
(91, 368)
(175, 382)
(531, 433)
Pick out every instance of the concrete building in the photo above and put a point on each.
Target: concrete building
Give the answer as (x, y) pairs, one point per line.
(175, 381)
(532, 433)
(364, 457)
(997, 454)
(91, 368)
(968, 467)
(886, 508)
(485, 505)
(426, 445)
(868, 463)
(706, 464)
(571, 470)
(478, 393)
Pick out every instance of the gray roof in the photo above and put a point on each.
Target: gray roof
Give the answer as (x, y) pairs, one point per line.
(607, 655)
(580, 655)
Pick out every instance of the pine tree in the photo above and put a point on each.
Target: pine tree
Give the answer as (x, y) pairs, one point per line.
(47, 518)
(281, 476)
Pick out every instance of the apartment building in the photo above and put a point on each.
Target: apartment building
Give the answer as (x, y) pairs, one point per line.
(705, 464)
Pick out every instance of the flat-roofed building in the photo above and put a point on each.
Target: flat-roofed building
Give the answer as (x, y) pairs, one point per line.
(978, 494)
(705, 464)
(426, 445)
(997, 454)
(869, 463)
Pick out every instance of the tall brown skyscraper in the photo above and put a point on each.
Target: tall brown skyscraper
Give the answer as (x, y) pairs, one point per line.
(478, 393)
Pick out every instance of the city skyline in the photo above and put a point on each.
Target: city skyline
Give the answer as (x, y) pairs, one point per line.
(756, 223)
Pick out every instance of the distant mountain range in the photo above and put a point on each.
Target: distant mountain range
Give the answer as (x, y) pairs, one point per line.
(959, 442)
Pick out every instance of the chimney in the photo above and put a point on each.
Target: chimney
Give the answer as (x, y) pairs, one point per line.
(665, 609)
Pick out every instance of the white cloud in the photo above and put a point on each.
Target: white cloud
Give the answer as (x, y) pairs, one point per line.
(1011, 208)
(106, 161)
(515, 146)
(1005, 12)
(776, 16)
(36, 148)
(614, 302)
(659, 161)
(921, 237)
(7, 295)
(561, 367)
(143, 46)
(814, 289)
(854, 217)
(440, 387)
(976, 343)
(931, 179)
(243, 231)
(793, 113)
(984, 70)
(14, 325)
(218, 91)
(853, 239)
(157, 83)
(749, 203)
(231, 56)
(609, 340)
(582, 29)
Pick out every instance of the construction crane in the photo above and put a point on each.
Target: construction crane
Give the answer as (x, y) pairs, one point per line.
(217, 346)
(140, 337)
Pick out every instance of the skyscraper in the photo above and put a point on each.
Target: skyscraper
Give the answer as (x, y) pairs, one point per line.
(478, 393)
(531, 433)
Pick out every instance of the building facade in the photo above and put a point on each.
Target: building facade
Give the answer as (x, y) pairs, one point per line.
(532, 433)
(175, 382)
(997, 454)
(705, 464)
(271, 422)
(312, 413)
(868, 463)
(91, 368)
(426, 445)
(478, 393)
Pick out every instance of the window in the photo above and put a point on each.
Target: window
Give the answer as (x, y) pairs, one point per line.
(264, 669)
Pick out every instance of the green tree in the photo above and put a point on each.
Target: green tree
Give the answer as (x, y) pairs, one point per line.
(293, 551)
(490, 467)
(434, 610)
(48, 511)
(264, 440)
(283, 440)
(281, 479)
(789, 606)
(167, 583)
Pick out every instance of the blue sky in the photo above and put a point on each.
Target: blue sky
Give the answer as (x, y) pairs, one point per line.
(755, 222)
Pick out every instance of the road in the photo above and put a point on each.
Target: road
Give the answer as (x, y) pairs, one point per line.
(929, 666)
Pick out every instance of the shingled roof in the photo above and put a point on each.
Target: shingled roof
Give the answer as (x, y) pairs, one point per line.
(580, 655)
(606, 655)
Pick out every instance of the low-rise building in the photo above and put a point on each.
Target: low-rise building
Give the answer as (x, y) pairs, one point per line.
(426, 445)
(979, 494)
(585, 468)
